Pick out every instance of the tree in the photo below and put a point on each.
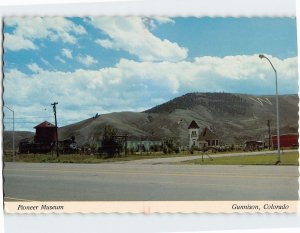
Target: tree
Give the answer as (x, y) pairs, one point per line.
(110, 145)
(109, 132)
(170, 145)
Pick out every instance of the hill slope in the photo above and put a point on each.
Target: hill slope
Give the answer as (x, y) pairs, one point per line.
(234, 117)
(19, 135)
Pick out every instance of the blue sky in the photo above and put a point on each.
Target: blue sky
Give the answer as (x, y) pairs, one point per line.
(110, 64)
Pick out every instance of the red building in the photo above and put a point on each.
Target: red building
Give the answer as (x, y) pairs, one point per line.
(45, 133)
(286, 140)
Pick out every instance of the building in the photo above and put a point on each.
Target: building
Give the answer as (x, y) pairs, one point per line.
(44, 139)
(193, 134)
(205, 138)
(286, 140)
(45, 133)
(209, 136)
(143, 144)
(137, 144)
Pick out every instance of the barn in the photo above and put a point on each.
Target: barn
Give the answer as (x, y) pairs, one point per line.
(286, 140)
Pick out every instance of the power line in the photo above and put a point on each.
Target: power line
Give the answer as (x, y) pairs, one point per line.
(23, 122)
(27, 117)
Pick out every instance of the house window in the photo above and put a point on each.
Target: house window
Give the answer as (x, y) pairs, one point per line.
(194, 134)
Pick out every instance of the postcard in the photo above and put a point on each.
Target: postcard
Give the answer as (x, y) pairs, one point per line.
(150, 114)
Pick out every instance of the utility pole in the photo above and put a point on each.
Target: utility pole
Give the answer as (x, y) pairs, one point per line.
(13, 142)
(54, 110)
(261, 56)
(269, 134)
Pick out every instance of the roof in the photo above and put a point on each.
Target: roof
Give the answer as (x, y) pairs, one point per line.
(253, 141)
(45, 124)
(193, 125)
(207, 134)
(286, 134)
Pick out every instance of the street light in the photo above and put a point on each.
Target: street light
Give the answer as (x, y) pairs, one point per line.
(14, 154)
(261, 56)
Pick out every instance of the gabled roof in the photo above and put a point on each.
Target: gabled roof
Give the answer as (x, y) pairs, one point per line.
(193, 125)
(208, 134)
(45, 124)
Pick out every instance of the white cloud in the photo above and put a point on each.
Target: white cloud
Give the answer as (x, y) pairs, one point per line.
(46, 62)
(132, 35)
(136, 86)
(163, 19)
(15, 43)
(28, 29)
(58, 58)
(34, 68)
(67, 53)
(108, 44)
(153, 22)
(86, 60)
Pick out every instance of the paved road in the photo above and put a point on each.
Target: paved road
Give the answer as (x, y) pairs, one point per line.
(143, 182)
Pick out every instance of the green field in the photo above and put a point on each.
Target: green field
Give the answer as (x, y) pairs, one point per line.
(290, 158)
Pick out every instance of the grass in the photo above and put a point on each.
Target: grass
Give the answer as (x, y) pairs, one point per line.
(77, 158)
(290, 158)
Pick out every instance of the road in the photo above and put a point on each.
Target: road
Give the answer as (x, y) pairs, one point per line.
(148, 182)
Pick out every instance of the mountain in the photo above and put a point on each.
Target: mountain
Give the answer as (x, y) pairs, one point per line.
(19, 135)
(233, 117)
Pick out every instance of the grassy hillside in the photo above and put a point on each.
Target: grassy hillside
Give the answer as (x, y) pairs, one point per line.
(234, 117)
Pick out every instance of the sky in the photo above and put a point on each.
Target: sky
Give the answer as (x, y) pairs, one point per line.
(99, 65)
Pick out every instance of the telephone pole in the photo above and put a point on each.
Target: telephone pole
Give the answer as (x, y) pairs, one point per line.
(13, 135)
(54, 110)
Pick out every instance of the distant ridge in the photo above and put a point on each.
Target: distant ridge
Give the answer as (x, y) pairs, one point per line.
(216, 102)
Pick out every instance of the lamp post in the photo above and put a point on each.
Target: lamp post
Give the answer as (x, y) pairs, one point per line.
(14, 154)
(261, 56)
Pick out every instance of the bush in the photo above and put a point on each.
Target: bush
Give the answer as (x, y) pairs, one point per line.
(165, 150)
(170, 146)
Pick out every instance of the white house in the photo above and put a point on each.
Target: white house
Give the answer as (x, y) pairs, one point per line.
(199, 139)
(193, 134)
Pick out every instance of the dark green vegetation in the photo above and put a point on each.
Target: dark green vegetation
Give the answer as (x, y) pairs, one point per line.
(290, 158)
(110, 145)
